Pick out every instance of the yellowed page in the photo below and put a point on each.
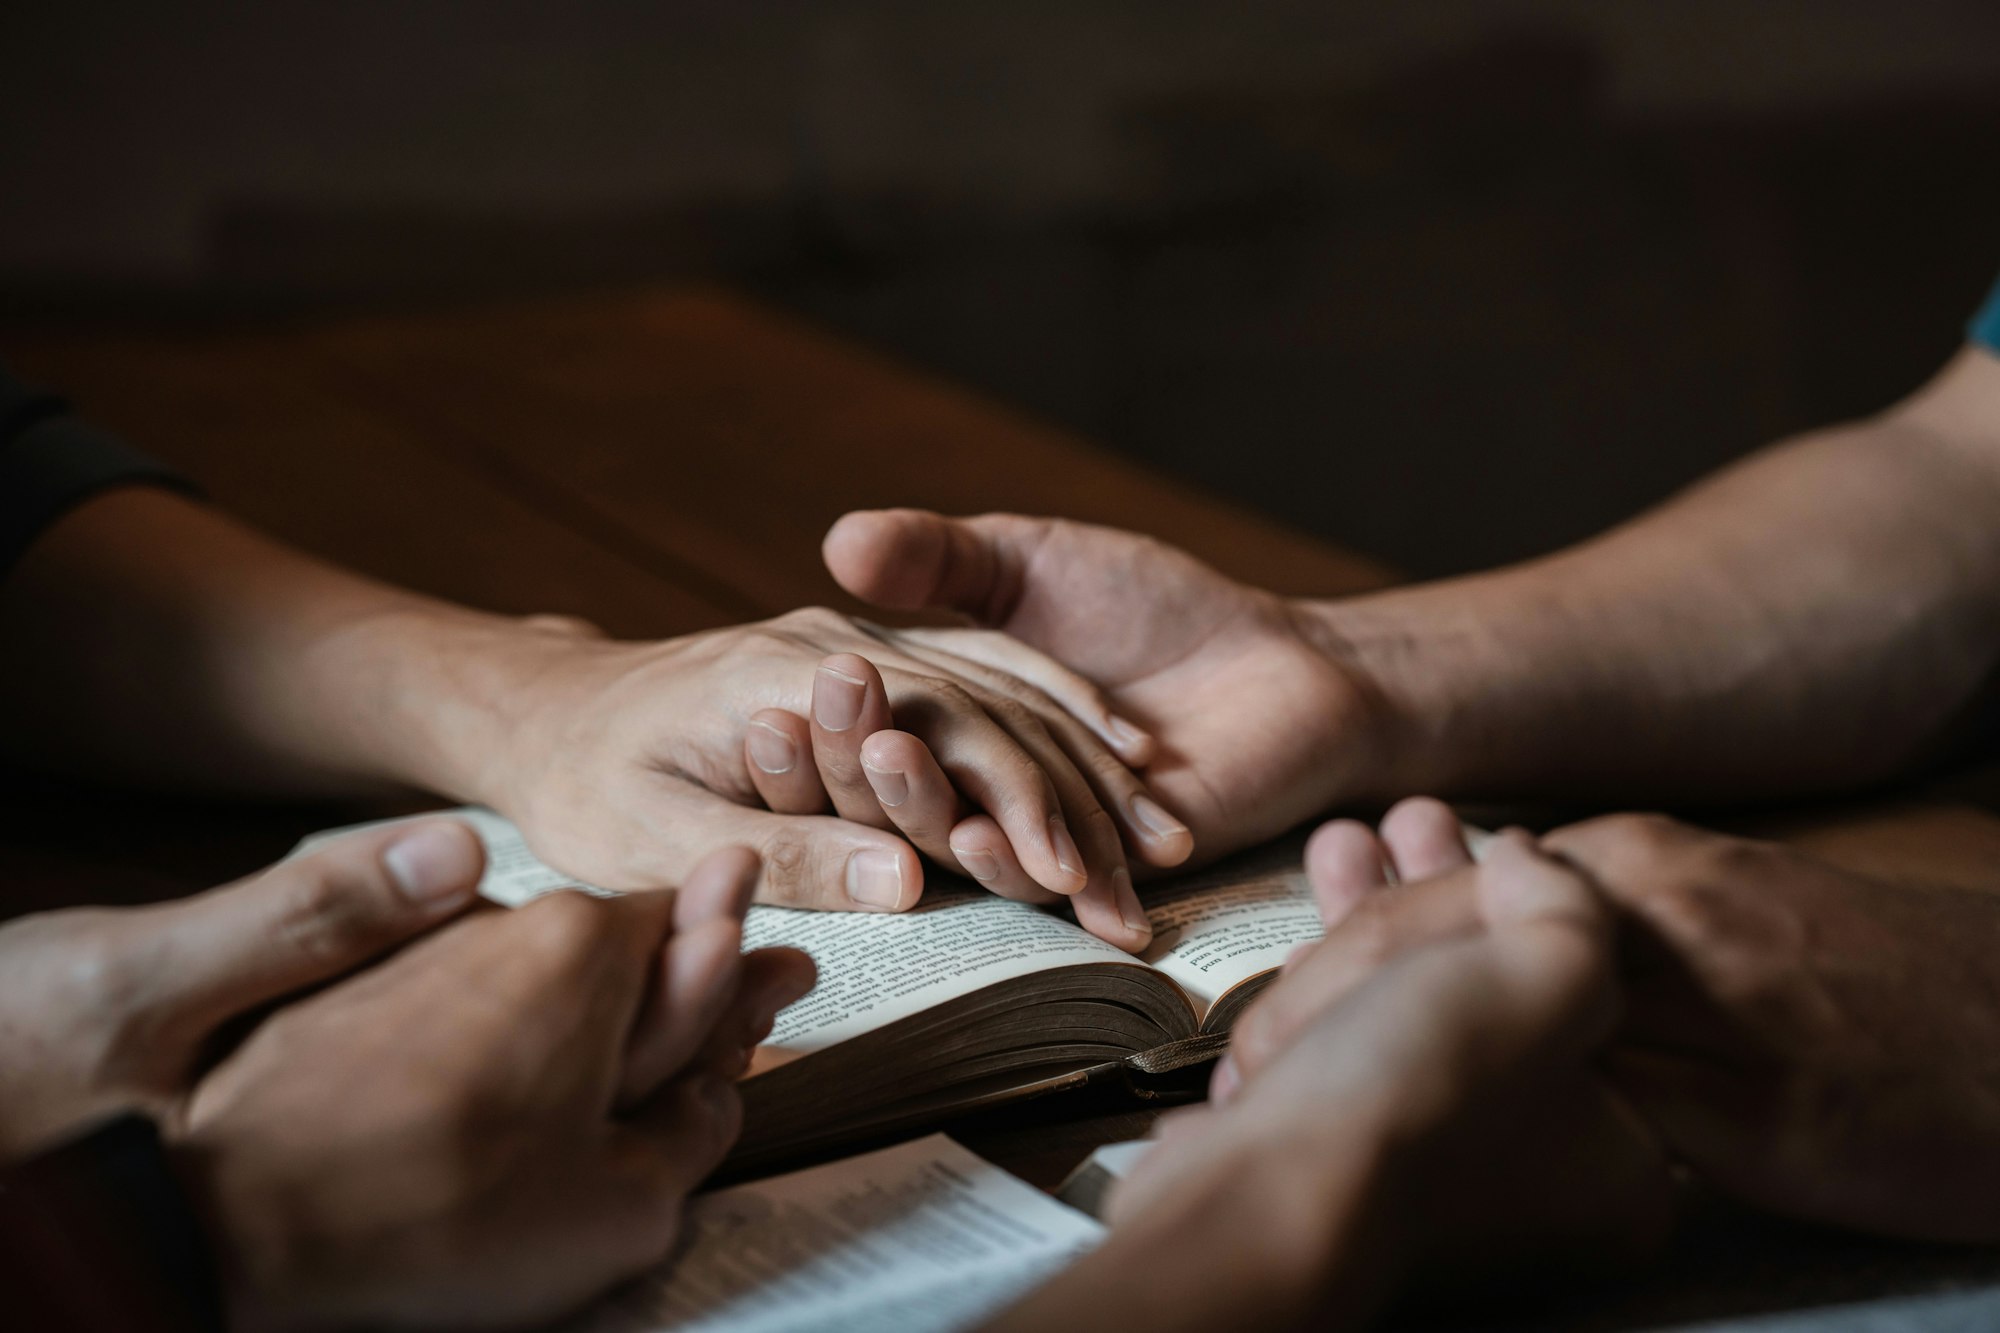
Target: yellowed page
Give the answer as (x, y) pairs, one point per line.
(873, 968)
(1220, 927)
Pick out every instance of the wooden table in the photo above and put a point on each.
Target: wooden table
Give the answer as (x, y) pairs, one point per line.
(666, 462)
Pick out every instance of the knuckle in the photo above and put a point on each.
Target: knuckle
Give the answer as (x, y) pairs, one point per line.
(566, 925)
(788, 879)
(1109, 770)
(1097, 828)
(1366, 938)
(808, 620)
(324, 917)
(1628, 841)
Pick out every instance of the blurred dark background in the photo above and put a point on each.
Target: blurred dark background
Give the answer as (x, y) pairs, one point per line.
(1451, 282)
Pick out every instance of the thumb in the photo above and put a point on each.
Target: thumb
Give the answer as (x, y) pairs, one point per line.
(310, 919)
(911, 559)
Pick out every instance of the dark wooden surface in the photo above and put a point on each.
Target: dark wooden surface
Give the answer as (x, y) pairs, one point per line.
(665, 462)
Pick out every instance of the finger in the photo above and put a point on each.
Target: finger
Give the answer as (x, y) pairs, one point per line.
(1067, 689)
(688, 1129)
(778, 748)
(810, 861)
(310, 919)
(982, 851)
(1345, 862)
(1553, 930)
(720, 887)
(1521, 885)
(698, 973)
(1380, 929)
(696, 984)
(1078, 835)
(1148, 826)
(908, 559)
(849, 704)
(996, 772)
(918, 798)
(1424, 839)
(772, 980)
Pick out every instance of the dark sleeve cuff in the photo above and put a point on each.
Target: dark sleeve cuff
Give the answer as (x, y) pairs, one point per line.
(52, 463)
(97, 1235)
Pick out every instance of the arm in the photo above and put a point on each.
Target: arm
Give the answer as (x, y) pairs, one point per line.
(1822, 614)
(152, 638)
(176, 646)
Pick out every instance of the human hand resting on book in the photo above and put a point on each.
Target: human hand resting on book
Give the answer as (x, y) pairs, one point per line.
(1258, 721)
(632, 758)
(1813, 1041)
(622, 762)
(1438, 1126)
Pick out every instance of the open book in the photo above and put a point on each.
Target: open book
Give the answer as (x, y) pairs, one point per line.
(970, 1000)
(924, 1237)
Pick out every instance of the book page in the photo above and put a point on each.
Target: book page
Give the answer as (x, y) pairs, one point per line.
(873, 968)
(1225, 925)
(924, 1237)
(513, 875)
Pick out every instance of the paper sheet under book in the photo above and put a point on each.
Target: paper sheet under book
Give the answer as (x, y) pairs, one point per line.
(924, 1237)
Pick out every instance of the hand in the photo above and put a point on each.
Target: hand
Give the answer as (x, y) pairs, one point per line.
(1818, 1043)
(1439, 1123)
(491, 1126)
(1258, 722)
(111, 1010)
(622, 763)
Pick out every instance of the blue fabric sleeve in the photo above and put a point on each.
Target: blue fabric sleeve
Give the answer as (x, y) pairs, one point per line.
(1985, 326)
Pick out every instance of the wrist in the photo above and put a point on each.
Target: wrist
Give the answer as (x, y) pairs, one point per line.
(1475, 682)
(449, 691)
(1404, 665)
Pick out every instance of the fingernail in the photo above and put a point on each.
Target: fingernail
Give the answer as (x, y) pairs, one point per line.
(1129, 906)
(1064, 846)
(772, 750)
(434, 865)
(892, 787)
(1153, 817)
(1123, 734)
(875, 879)
(836, 699)
(1224, 1082)
(981, 865)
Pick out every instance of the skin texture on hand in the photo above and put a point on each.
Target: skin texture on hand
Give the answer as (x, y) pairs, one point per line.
(491, 1126)
(624, 762)
(349, 1153)
(110, 1010)
(177, 647)
(1811, 1041)
(1255, 725)
(1471, 1140)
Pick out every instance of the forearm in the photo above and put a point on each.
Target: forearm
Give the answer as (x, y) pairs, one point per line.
(173, 646)
(1820, 615)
